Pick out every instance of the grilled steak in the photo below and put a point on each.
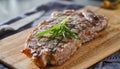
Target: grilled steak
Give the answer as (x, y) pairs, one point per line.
(44, 51)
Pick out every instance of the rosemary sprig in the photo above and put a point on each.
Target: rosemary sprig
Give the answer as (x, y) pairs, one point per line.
(59, 29)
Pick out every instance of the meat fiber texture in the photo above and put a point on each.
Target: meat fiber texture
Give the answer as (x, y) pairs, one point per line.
(44, 51)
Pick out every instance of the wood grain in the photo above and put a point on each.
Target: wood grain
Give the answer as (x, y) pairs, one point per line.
(105, 44)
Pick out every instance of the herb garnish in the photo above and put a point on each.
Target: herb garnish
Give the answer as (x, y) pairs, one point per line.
(59, 29)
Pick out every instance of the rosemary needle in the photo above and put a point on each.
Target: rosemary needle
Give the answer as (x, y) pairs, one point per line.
(59, 29)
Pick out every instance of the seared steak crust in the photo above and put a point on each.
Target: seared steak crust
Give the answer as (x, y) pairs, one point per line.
(43, 51)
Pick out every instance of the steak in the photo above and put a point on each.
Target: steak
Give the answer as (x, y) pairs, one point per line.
(44, 51)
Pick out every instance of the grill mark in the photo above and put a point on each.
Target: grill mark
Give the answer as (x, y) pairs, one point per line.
(70, 29)
(56, 46)
(88, 24)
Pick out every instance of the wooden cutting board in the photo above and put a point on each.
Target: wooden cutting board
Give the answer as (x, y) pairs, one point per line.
(105, 44)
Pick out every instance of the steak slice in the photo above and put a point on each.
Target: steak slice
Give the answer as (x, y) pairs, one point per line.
(44, 51)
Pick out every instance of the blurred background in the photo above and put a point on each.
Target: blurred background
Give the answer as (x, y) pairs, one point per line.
(12, 8)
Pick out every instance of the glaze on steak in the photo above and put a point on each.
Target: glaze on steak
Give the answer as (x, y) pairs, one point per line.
(44, 51)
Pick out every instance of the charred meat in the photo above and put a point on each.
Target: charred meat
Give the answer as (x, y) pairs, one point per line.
(45, 50)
